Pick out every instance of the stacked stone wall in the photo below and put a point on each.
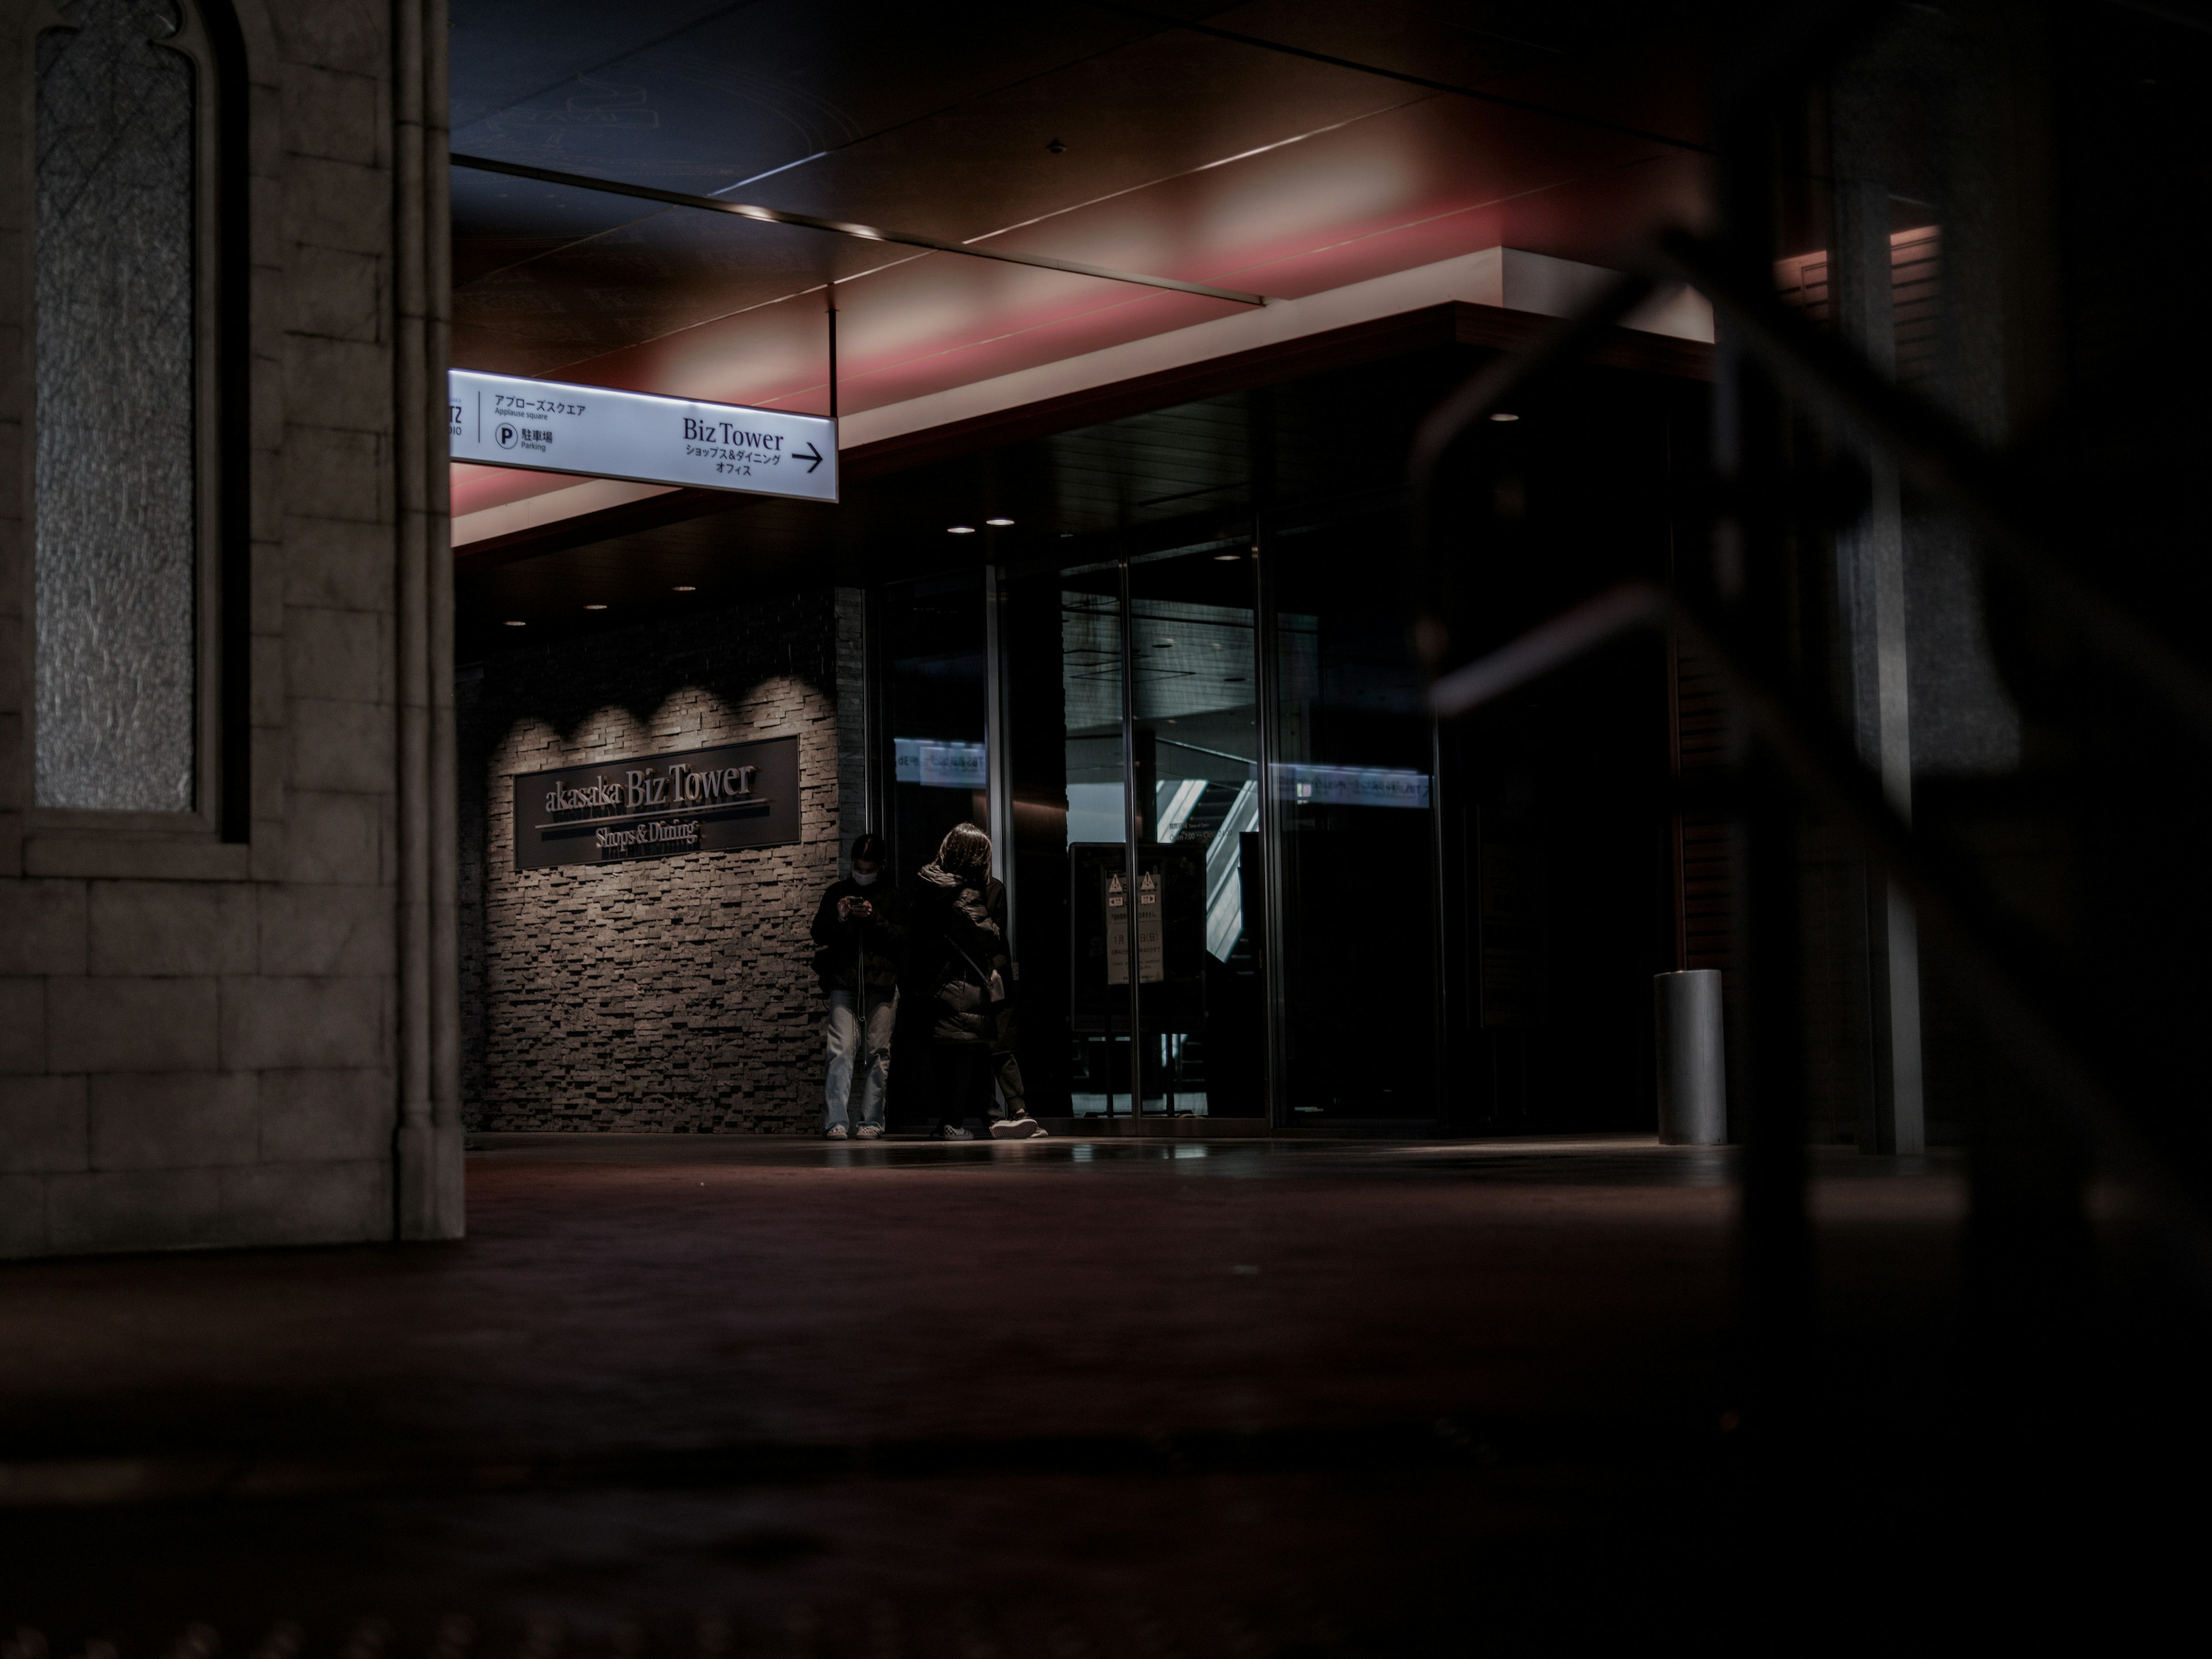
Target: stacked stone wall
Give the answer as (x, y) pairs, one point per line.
(661, 994)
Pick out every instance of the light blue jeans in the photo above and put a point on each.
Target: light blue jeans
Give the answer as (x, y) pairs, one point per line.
(845, 1044)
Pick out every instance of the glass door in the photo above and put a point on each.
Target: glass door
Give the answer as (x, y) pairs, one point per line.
(1132, 709)
(1157, 790)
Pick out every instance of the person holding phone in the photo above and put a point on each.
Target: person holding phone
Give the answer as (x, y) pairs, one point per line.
(859, 928)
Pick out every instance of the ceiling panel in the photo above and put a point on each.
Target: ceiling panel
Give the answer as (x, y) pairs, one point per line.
(475, 488)
(505, 52)
(700, 97)
(1422, 182)
(642, 281)
(1152, 110)
(1637, 63)
(500, 222)
(1428, 155)
(1364, 171)
(1184, 155)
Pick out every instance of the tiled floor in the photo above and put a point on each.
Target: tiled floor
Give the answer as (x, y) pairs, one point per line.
(703, 1395)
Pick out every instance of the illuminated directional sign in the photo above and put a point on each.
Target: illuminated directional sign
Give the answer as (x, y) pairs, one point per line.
(497, 420)
(1351, 786)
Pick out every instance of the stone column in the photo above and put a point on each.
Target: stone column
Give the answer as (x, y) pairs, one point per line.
(427, 1148)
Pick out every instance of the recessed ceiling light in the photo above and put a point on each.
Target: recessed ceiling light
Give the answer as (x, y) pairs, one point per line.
(595, 607)
(687, 588)
(1227, 558)
(1001, 524)
(1502, 416)
(517, 624)
(960, 530)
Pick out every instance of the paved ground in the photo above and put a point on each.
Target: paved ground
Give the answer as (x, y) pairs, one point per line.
(707, 1396)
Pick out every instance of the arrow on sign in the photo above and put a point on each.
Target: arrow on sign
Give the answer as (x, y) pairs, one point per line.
(811, 455)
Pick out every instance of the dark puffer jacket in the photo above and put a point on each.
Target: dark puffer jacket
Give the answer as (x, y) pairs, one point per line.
(882, 937)
(950, 916)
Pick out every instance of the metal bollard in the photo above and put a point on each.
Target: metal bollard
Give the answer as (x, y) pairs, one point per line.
(1692, 1066)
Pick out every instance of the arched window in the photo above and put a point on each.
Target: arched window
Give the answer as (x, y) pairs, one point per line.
(123, 570)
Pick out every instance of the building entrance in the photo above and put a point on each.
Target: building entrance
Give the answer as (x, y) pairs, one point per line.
(1249, 877)
(1216, 762)
(1134, 770)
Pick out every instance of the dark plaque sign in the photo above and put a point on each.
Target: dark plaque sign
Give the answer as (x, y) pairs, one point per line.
(705, 800)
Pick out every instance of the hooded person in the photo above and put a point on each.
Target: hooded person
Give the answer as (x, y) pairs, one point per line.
(861, 928)
(959, 961)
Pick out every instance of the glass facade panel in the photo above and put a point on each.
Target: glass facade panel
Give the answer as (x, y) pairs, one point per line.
(1194, 733)
(1104, 944)
(935, 708)
(115, 561)
(1355, 799)
(1091, 694)
(932, 659)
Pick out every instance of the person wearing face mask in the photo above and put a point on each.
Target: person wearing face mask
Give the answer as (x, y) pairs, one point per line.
(859, 928)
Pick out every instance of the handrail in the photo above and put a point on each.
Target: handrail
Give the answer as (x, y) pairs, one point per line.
(1950, 903)
(1929, 448)
(1821, 760)
(1942, 460)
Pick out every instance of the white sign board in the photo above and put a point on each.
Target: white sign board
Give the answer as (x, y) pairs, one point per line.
(498, 420)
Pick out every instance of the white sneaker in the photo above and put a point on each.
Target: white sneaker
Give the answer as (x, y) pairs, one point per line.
(1024, 1127)
(954, 1132)
(835, 1131)
(868, 1132)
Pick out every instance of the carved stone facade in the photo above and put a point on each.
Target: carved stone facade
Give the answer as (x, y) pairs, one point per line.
(233, 1026)
(670, 993)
